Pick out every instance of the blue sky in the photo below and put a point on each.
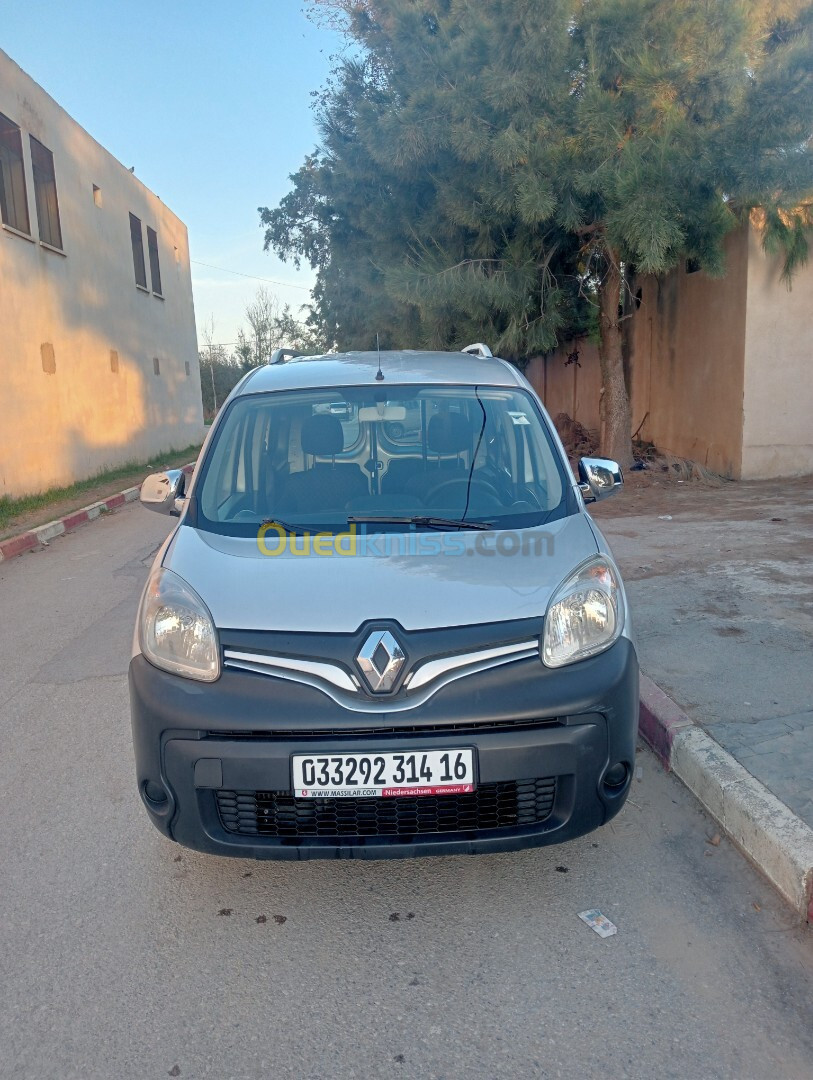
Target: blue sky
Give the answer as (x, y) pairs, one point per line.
(209, 101)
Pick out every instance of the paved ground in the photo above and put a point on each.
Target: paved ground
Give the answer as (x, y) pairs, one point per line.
(721, 585)
(119, 960)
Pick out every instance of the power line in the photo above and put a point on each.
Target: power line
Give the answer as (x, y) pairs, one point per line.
(239, 273)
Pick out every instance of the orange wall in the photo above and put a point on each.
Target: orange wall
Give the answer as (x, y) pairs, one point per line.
(574, 389)
(685, 363)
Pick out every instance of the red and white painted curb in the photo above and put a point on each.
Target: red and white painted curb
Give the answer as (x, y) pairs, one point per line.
(37, 538)
(778, 842)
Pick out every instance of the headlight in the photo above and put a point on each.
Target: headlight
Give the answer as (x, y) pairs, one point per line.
(175, 629)
(585, 615)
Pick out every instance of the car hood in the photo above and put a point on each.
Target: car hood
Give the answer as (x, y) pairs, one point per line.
(421, 580)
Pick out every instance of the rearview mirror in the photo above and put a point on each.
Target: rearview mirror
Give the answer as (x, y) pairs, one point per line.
(598, 478)
(160, 491)
(382, 412)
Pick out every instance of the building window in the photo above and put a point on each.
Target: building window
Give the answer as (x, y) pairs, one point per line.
(155, 266)
(42, 162)
(187, 368)
(13, 198)
(114, 361)
(156, 365)
(97, 195)
(138, 252)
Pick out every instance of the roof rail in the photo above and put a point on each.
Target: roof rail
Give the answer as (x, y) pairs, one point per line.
(478, 349)
(281, 356)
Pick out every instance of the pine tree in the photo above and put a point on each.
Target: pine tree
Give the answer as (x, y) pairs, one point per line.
(497, 169)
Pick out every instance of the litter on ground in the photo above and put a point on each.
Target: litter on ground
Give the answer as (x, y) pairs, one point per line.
(598, 922)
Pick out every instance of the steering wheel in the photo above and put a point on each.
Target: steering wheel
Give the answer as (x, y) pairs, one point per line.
(432, 497)
(530, 495)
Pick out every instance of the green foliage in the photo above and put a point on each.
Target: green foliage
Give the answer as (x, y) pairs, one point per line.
(785, 234)
(268, 327)
(484, 162)
(220, 372)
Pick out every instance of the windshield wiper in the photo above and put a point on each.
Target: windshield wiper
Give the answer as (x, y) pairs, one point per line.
(295, 530)
(419, 519)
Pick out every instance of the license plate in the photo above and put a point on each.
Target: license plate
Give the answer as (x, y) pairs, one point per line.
(383, 775)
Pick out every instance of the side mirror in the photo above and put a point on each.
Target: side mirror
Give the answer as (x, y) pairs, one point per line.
(598, 478)
(162, 491)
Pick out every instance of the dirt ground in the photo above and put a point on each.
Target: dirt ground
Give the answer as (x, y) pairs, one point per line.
(658, 524)
(655, 492)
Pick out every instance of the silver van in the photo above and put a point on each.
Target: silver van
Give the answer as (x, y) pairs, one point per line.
(384, 624)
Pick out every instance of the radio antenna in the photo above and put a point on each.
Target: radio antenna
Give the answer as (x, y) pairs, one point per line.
(379, 375)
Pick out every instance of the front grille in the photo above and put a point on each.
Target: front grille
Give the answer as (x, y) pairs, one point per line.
(492, 806)
(464, 728)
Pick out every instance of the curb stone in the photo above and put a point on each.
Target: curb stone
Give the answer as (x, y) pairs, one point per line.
(778, 842)
(38, 538)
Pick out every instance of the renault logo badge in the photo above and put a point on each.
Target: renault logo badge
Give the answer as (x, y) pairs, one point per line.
(380, 661)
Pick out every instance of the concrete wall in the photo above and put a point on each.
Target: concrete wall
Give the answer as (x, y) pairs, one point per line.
(686, 362)
(685, 365)
(778, 401)
(66, 312)
(572, 388)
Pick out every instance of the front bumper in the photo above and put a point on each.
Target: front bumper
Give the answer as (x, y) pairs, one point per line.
(197, 744)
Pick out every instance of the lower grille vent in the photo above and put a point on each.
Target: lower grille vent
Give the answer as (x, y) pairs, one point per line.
(492, 806)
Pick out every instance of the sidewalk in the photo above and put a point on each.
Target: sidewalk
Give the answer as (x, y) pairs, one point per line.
(720, 582)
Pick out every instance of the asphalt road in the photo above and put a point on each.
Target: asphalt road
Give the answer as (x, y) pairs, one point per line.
(122, 955)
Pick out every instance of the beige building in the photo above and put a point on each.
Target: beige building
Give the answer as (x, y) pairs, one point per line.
(719, 370)
(98, 351)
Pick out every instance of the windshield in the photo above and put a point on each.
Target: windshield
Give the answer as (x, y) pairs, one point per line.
(315, 458)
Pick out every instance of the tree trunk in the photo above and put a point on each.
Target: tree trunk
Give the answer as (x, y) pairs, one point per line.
(617, 427)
